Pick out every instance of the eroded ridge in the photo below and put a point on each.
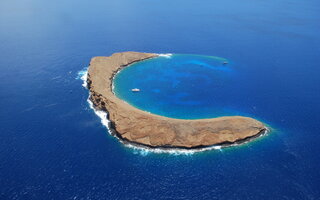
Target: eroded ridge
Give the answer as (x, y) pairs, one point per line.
(139, 127)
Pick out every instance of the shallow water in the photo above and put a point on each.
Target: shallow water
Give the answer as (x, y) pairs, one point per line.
(179, 86)
(53, 146)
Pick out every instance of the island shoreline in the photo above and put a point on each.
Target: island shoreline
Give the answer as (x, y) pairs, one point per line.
(101, 102)
(162, 149)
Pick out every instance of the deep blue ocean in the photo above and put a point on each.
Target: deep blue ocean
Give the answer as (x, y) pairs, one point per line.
(53, 146)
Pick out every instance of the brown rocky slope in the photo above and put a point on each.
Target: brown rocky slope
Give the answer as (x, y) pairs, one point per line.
(140, 127)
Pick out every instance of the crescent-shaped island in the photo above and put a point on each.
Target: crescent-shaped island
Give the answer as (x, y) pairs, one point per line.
(135, 126)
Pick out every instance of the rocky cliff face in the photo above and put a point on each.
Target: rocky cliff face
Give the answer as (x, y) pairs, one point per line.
(136, 126)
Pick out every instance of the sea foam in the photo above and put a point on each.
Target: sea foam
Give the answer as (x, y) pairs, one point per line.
(166, 55)
(83, 75)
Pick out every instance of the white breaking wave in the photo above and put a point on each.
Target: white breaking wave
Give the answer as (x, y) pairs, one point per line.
(83, 75)
(166, 55)
(101, 114)
(142, 150)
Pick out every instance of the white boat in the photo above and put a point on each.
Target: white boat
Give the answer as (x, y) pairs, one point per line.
(135, 90)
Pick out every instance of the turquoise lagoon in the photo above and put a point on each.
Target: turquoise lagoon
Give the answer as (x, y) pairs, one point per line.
(184, 86)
